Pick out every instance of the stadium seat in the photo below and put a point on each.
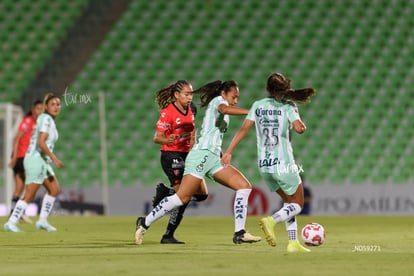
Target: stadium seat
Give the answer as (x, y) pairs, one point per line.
(357, 54)
(30, 32)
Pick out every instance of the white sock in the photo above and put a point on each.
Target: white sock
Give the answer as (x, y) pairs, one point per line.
(240, 209)
(292, 228)
(18, 211)
(286, 212)
(164, 207)
(47, 206)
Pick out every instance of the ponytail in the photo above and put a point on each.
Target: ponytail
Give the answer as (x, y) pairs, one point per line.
(299, 96)
(213, 89)
(278, 86)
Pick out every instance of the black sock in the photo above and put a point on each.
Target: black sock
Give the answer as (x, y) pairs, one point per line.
(13, 203)
(175, 220)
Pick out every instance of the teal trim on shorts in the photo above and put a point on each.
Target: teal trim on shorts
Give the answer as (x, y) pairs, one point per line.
(288, 182)
(36, 169)
(201, 163)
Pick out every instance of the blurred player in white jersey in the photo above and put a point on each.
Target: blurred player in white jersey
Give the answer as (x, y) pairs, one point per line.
(37, 165)
(21, 142)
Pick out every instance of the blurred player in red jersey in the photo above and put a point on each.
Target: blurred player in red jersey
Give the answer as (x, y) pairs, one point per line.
(21, 142)
(175, 132)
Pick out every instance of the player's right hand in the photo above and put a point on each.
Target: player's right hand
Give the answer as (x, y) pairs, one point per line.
(172, 138)
(225, 159)
(58, 163)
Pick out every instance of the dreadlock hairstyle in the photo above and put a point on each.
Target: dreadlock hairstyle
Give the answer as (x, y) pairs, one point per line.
(166, 95)
(213, 89)
(278, 87)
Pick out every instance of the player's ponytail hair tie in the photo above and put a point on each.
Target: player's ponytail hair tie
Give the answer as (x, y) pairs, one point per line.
(219, 88)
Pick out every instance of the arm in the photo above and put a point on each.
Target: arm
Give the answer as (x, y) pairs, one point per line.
(160, 138)
(193, 138)
(41, 142)
(247, 124)
(16, 142)
(299, 126)
(232, 110)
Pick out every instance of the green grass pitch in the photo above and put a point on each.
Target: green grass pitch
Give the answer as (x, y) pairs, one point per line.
(104, 245)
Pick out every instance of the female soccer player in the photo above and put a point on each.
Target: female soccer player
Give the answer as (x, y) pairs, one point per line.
(204, 160)
(37, 164)
(175, 131)
(21, 142)
(274, 117)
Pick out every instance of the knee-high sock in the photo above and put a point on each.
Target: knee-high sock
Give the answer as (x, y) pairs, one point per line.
(286, 212)
(176, 216)
(166, 205)
(291, 227)
(18, 211)
(47, 206)
(240, 209)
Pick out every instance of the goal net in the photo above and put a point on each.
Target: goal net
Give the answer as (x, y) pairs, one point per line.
(10, 117)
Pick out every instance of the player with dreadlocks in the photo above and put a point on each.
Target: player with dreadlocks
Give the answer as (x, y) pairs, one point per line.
(175, 132)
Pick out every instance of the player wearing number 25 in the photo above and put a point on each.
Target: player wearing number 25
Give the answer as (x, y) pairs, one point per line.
(274, 117)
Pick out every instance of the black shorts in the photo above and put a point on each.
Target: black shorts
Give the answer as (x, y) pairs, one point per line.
(19, 168)
(173, 164)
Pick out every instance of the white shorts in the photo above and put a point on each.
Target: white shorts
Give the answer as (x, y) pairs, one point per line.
(37, 169)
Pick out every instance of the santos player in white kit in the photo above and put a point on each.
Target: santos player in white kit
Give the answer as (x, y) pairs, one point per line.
(37, 164)
(274, 117)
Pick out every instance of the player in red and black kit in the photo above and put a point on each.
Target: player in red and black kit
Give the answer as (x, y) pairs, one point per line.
(175, 131)
(21, 142)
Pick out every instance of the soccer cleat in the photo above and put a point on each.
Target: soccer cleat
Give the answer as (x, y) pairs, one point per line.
(268, 226)
(140, 230)
(26, 219)
(44, 225)
(295, 246)
(170, 240)
(160, 192)
(10, 227)
(245, 237)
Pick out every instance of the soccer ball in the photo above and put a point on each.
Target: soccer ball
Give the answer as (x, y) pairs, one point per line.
(313, 234)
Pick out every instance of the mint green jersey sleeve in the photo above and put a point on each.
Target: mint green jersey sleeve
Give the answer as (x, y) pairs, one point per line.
(292, 113)
(214, 126)
(45, 122)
